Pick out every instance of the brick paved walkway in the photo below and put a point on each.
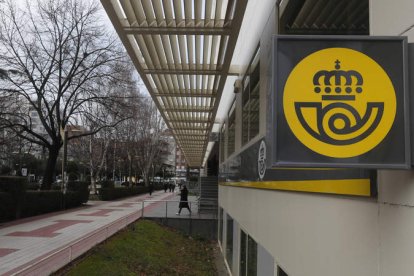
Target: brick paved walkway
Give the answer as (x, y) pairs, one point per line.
(41, 245)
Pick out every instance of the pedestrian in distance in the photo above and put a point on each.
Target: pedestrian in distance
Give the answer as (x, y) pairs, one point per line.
(183, 200)
(150, 188)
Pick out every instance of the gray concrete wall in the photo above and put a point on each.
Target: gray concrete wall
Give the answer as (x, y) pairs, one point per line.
(203, 228)
(313, 234)
(265, 262)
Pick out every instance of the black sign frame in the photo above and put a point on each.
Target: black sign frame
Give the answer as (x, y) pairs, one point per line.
(394, 152)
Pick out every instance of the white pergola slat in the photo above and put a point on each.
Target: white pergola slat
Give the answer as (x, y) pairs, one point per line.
(182, 49)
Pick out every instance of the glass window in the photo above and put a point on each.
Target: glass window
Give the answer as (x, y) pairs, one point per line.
(251, 257)
(248, 255)
(220, 226)
(245, 110)
(243, 254)
(229, 242)
(231, 140)
(250, 99)
(222, 142)
(281, 272)
(254, 103)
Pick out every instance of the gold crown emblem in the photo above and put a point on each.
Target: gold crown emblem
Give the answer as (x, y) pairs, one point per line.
(338, 81)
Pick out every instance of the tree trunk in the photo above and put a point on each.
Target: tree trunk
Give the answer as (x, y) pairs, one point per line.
(92, 167)
(130, 170)
(93, 184)
(146, 178)
(50, 168)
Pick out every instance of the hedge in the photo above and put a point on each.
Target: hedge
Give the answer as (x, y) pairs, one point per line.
(80, 187)
(107, 184)
(120, 192)
(16, 201)
(40, 202)
(16, 187)
(7, 210)
(13, 184)
(74, 199)
(33, 187)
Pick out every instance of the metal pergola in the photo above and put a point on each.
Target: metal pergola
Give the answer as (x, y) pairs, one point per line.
(182, 50)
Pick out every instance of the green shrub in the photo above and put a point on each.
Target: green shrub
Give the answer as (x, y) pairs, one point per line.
(107, 184)
(72, 176)
(15, 202)
(120, 192)
(7, 207)
(40, 202)
(16, 187)
(80, 187)
(33, 186)
(5, 170)
(13, 184)
(56, 188)
(73, 199)
(125, 184)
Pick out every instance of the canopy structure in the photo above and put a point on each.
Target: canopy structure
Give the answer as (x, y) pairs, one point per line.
(182, 50)
(340, 17)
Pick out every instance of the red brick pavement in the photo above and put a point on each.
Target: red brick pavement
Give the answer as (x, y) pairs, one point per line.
(43, 244)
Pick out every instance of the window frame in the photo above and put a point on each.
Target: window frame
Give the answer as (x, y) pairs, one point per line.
(222, 145)
(229, 240)
(249, 85)
(231, 130)
(245, 267)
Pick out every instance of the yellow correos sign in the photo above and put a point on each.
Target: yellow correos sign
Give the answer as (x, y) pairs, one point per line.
(339, 102)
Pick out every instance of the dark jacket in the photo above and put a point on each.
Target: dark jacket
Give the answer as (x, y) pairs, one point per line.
(184, 198)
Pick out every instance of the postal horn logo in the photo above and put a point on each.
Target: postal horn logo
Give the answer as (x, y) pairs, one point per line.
(339, 102)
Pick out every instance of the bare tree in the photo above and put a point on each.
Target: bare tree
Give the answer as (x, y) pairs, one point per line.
(64, 57)
(149, 140)
(95, 149)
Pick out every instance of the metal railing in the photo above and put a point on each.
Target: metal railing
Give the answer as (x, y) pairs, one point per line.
(177, 202)
(193, 187)
(167, 209)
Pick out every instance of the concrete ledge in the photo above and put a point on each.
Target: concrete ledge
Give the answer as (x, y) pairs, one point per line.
(57, 259)
(205, 228)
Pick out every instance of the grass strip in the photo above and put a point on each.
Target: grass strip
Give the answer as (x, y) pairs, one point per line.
(147, 248)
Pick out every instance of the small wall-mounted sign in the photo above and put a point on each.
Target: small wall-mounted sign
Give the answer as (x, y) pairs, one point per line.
(261, 160)
(341, 102)
(214, 137)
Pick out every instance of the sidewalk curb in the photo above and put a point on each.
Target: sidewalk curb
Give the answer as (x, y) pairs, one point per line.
(63, 255)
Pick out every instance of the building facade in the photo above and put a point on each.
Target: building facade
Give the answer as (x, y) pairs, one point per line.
(283, 230)
(210, 66)
(180, 165)
(167, 153)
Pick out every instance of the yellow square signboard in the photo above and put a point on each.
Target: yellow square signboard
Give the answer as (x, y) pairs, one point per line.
(340, 101)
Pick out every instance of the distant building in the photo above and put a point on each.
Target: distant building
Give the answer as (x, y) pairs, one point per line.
(180, 165)
(167, 153)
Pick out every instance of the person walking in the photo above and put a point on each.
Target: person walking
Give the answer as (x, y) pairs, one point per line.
(150, 188)
(183, 200)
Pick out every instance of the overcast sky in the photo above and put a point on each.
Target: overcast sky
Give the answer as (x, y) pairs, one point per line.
(105, 20)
